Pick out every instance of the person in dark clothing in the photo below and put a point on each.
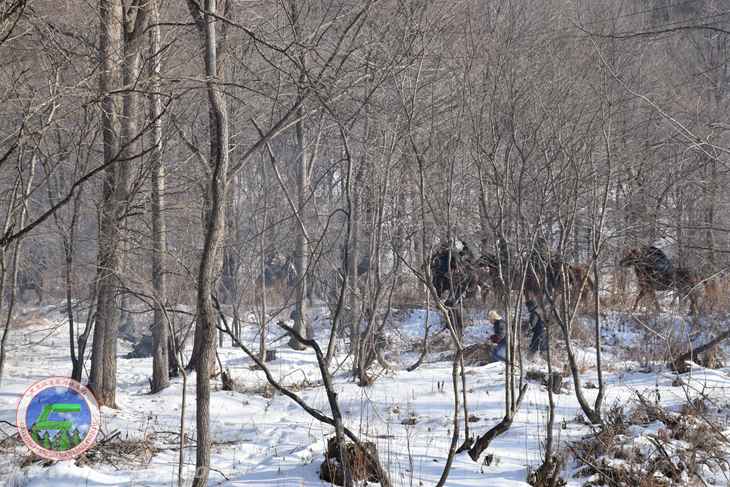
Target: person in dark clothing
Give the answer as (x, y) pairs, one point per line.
(659, 260)
(499, 337)
(453, 274)
(466, 253)
(440, 269)
(536, 330)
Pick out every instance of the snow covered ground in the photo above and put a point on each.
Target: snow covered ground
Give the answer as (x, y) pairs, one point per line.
(264, 439)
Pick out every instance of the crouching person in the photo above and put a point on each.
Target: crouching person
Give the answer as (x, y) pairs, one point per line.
(499, 337)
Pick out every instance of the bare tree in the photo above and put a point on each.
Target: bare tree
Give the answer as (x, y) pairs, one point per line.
(18, 207)
(214, 229)
(160, 336)
(68, 232)
(295, 14)
(121, 44)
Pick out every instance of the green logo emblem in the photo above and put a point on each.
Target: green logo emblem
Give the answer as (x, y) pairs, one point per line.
(63, 439)
(58, 418)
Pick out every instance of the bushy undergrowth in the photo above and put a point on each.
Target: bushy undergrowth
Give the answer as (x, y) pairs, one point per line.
(646, 445)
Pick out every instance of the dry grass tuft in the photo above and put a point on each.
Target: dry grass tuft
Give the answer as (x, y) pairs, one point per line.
(648, 446)
(121, 452)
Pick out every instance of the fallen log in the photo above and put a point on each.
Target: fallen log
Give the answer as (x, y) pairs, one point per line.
(679, 364)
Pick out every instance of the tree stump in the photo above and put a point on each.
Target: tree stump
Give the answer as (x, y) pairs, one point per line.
(548, 474)
(362, 469)
(555, 382)
(228, 383)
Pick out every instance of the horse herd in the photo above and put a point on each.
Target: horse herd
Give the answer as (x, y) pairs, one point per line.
(457, 274)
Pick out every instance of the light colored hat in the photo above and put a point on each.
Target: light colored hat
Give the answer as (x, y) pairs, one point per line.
(494, 316)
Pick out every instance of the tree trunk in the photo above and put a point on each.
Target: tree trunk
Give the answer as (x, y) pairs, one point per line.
(354, 315)
(67, 245)
(710, 217)
(301, 255)
(110, 46)
(77, 354)
(115, 246)
(160, 359)
(593, 416)
(483, 442)
(120, 33)
(353, 246)
(597, 405)
(77, 360)
(340, 306)
(214, 233)
(551, 400)
(25, 195)
(83, 339)
(262, 248)
(13, 283)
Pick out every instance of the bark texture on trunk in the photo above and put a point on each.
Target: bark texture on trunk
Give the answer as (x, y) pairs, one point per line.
(214, 232)
(301, 256)
(114, 195)
(301, 253)
(160, 359)
(120, 50)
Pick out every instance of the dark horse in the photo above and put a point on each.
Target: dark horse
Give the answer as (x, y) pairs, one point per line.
(655, 272)
(455, 276)
(454, 273)
(459, 275)
(279, 273)
(543, 276)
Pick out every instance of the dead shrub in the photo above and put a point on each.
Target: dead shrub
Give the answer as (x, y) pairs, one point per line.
(361, 467)
(582, 332)
(9, 442)
(264, 390)
(548, 474)
(675, 454)
(116, 451)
